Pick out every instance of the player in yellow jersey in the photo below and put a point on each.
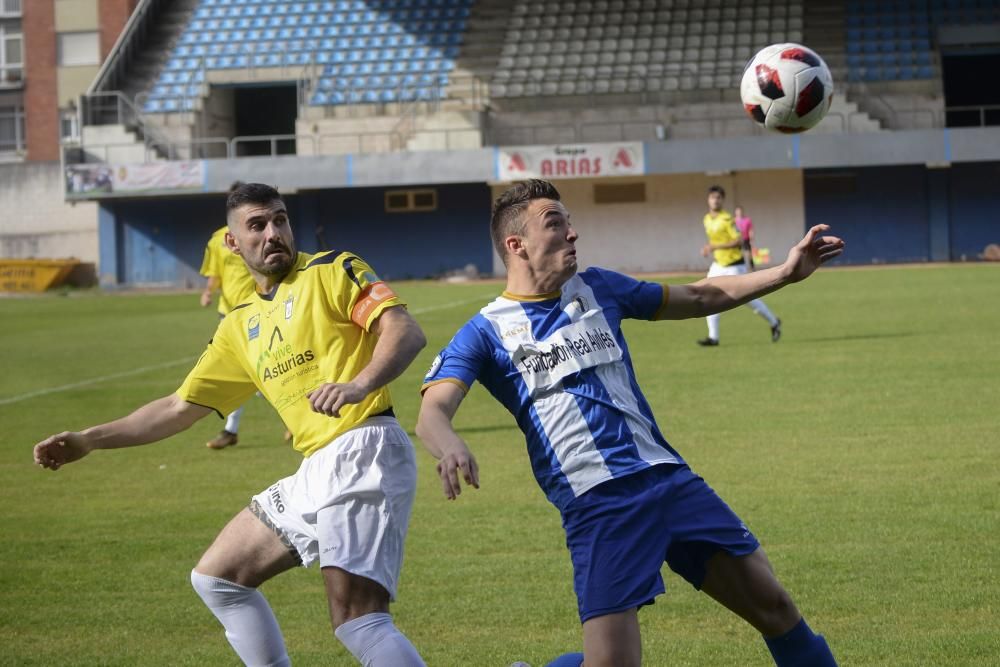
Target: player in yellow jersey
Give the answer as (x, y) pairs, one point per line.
(228, 275)
(320, 338)
(725, 244)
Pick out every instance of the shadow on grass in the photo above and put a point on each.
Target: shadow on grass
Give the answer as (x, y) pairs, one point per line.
(848, 337)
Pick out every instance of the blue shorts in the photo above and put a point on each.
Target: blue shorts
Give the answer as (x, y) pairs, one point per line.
(621, 532)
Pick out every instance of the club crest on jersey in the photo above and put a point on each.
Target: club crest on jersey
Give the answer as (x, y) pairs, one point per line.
(253, 327)
(288, 307)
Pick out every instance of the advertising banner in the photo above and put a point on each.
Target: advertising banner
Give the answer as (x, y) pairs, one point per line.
(517, 163)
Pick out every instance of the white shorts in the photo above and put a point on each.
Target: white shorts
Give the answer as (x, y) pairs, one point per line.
(349, 503)
(732, 270)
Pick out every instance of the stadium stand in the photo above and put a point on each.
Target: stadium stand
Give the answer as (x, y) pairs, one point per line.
(889, 41)
(366, 52)
(629, 46)
(378, 75)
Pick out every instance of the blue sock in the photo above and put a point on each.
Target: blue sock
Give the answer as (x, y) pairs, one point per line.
(567, 660)
(799, 647)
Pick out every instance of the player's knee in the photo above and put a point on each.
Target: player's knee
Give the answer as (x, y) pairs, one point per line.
(778, 614)
(216, 592)
(350, 596)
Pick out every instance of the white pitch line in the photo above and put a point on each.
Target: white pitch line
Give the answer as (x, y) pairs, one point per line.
(177, 362)
(451, 304)
(102, 378)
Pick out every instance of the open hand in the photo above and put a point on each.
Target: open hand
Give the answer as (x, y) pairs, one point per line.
(59, 449)
(811, 252)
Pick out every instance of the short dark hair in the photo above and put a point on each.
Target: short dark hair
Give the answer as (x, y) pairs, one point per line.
(508, 207)
(249, 193)
(717, 188)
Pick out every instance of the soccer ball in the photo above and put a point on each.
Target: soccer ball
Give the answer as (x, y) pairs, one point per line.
(786, 88)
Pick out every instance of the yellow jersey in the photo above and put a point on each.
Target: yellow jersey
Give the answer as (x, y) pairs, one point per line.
(311, 329)
(234, 278)
(720, 228)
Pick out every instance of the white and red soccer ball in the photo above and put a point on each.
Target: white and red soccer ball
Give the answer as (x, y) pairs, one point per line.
(786, 88)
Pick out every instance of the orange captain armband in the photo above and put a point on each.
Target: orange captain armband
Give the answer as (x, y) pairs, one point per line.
(371, 298)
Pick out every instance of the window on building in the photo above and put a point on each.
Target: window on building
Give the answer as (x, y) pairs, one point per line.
(69, 125)
(11, 53)
(78, 48)
(11, 130)
(407, 201)
(10, 8)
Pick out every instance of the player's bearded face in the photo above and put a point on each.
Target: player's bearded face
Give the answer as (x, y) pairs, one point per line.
(264, 237)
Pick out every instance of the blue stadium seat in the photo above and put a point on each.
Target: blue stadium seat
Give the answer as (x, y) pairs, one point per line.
(873, 74)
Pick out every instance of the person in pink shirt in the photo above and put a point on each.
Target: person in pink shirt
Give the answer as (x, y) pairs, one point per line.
(745, 225)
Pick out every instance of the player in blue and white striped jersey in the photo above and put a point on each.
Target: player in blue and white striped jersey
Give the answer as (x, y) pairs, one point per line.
(551, 350)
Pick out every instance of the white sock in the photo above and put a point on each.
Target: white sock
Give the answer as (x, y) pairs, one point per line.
(233, 420)
(249, 622)
(758, 307)
(376, 642)
(713, 326)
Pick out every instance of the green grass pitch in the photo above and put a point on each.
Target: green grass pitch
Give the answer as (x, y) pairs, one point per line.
(861, 449)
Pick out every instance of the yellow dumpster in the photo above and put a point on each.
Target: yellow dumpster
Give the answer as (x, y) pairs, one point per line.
(34, 275)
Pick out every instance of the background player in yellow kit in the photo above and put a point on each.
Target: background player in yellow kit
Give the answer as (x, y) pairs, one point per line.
(227, 275)
(725, 245)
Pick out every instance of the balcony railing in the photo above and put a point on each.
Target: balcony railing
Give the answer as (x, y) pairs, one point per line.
(11, 76)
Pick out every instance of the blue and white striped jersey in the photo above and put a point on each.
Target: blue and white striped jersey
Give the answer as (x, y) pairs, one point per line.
(560, 364)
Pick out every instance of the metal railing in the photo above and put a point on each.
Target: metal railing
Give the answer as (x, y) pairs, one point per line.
(113, 108)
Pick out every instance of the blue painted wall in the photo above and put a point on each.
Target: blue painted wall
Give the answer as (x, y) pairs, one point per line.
(162, 241)
(974, 208)
(907, 213)
(407, 245)
(880, 211)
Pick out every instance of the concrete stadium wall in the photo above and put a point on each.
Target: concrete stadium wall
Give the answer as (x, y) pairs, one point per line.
(37, 223)
(665, 232)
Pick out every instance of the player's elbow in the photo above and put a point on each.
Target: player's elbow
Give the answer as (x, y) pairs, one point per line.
(417, 337)
(423, 429)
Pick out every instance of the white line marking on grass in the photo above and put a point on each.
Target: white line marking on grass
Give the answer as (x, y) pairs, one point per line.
(102, 378)
(451, 304)
(177, 362)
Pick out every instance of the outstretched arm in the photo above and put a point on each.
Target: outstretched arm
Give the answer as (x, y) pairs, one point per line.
(714, 295)
(154, 421)
(437, 409)
(399, 340)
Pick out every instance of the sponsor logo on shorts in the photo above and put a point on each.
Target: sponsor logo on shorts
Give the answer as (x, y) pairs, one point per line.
(276, 499)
